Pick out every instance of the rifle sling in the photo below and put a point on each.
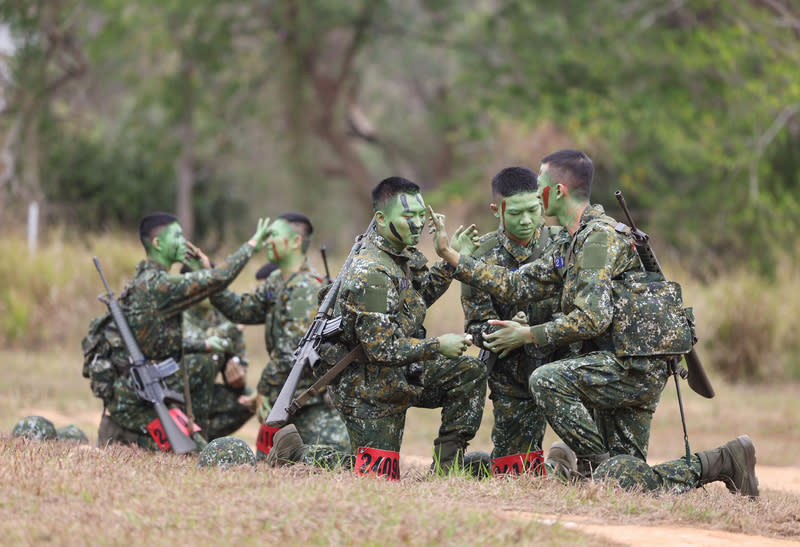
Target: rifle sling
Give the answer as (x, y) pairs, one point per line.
(355, 354)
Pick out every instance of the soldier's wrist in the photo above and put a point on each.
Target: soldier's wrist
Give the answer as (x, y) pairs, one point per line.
(538, 335)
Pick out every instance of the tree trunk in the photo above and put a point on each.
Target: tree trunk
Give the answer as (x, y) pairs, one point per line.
(185, 165)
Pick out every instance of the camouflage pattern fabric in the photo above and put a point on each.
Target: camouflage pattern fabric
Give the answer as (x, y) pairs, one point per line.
(153, 303)
(226, 452)
(519, 426)
(286, 308)
(72, 433)
(35, 428)
(597, 254)
(215, 406)
(382, 303)
(598, 403)
(675, 477)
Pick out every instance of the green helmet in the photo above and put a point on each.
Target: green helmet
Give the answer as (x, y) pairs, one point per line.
(226, 452)
(35, 428)
(72, 433)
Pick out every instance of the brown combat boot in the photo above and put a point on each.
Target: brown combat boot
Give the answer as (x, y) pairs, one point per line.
(285, 445)
(562, 461)
(733, 463)
(448, 453)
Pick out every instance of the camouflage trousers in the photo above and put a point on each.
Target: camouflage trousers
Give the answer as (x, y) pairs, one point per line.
(598, 403)
(457, 386)
(676, 476)
(519, 424)
(321, 425)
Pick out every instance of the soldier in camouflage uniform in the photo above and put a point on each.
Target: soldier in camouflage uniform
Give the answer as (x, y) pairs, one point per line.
(382, 303)
(153, 303)
(286, 303)
(598, 403)
(521, 238)
(216, 406)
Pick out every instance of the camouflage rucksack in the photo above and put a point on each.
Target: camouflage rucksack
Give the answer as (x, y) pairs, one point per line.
(649, 317)
(104, 356)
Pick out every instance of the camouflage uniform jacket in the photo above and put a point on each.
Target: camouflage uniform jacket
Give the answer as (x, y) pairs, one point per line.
(154, 300)
(596, 255)
(383, 302)
(199, 323)
(286, 308)
(497, 248)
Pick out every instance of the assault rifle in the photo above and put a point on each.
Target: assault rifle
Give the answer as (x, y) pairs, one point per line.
(148, 378)
(697, 377)
(324, 326)
(324, 252)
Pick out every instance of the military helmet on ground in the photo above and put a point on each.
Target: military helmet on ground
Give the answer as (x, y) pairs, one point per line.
(35, 428)
(72, 433)
(226, 452)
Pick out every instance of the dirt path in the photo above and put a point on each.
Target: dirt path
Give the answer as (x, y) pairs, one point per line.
(769, 477)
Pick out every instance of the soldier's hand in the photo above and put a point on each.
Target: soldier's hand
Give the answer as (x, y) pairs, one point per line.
(249, 401)
(465, 241)
(262, 233)
(195, 258)
(453, 345)
(440, 240)
(511, 336)
(217, 344)
(520, 318)
(234, 373)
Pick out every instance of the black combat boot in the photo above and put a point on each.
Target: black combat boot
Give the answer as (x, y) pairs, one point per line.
(448, 453)
(733, 463)
(285, 447)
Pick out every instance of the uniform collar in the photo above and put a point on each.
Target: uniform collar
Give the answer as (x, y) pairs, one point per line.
(592, 212)
(519, 252)
(383, 244)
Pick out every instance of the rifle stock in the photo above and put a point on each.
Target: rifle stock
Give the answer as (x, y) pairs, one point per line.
(147, 378)
(697, 377)
(306, 353)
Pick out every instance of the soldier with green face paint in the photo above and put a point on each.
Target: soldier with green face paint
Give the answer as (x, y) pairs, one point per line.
(153, 303)
(382, 303)
(521, 237)
(597, 402)
(286, 303)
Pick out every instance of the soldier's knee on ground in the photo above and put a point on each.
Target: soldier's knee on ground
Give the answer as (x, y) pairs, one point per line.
(628, 472)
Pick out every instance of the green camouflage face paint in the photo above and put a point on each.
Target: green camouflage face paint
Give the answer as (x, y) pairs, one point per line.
(405, 218)
(278, 244)
(520, 214)
(546, 186)
(173, 245)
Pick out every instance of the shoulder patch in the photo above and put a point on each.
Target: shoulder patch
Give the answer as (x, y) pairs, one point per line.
(595, 252)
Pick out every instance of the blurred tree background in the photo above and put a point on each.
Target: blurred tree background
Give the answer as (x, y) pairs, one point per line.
(227, 110)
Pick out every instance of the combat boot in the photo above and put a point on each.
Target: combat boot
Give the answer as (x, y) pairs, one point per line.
(448, 453)
(285, 445)
(587, 464)
(733, 463)
(478, 464)
(562, 461)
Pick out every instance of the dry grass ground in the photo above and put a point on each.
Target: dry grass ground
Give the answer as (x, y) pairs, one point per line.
(54, 493)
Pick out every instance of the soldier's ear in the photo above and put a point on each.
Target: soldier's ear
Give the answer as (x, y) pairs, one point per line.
(380, 218)
(494, 209)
